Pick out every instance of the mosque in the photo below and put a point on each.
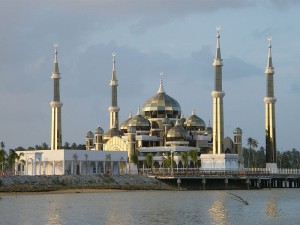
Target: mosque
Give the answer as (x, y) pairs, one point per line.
(157, 136)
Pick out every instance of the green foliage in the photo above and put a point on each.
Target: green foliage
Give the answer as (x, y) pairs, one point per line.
(135, 158)
(184, 158)
(167, 161)
(288, 159)
(149, 160)
(194, 156)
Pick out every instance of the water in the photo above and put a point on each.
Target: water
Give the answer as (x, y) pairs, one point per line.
(280, 206)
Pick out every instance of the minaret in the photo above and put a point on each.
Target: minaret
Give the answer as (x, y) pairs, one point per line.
(270, 101)
(56, 133)
(114, 109)
(238, 145)
(218, 94)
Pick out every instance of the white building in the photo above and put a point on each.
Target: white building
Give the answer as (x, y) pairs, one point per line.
(60, 162)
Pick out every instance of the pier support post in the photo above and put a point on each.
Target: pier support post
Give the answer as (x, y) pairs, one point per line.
(258, 183)
(226, 183)
(248, 183)
(178, 183)
(270, 183)
(203, 183)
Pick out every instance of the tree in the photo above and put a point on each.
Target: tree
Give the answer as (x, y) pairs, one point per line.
(149, 160)
(2, 145)
(184, 158)
(45, 146)
(135, 158)
(66, 145)
(3, 155)
(260, 158)
(167, 160)
(12, 158)
(194, 156)
(252, 143)
(74, 146)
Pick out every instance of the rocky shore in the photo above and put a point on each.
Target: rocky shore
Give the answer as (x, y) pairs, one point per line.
(67, 182)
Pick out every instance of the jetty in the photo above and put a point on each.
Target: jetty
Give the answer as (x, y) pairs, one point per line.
(248, 178)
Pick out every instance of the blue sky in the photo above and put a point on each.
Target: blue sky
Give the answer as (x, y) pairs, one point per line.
(175, 37)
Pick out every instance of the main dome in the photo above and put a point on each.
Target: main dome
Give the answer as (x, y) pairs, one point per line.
(161, 105)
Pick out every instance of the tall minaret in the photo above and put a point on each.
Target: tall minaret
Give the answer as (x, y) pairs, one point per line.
(218, 94)
(114, 109)
(56, 134)
(270, 101)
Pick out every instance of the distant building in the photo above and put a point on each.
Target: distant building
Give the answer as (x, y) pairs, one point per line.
(159, 130)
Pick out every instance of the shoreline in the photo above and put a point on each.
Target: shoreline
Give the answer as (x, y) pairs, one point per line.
(80, 183)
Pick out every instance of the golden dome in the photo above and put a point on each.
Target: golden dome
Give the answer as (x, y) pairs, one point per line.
(178, 133)
(125, 124)
(112, 133)
(99, 130)
(238, 130)
(89, 135)
(194, 123)
(161, 105)
(140, 123)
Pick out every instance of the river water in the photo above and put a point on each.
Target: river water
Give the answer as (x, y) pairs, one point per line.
(276, 206)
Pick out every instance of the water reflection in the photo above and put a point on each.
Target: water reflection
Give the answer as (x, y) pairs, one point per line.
(53, 216)
(218, 213)
(272, 208)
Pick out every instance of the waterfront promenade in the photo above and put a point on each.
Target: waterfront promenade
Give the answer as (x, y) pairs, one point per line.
(245, 178)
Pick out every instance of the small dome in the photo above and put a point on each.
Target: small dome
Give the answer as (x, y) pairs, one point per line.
(140, 123)
(99, 130)
(237, 131)
(125, 124)
(178, 133)
(160, 105)
(194, 123)
(89, 134)
(112, 133)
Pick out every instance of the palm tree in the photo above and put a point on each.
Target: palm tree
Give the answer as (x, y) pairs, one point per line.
(135, 159)
(194, 156)
(12, 158)
(149, 160)
(252, 143)
(184, 158)
(167, 160)
(3, 155)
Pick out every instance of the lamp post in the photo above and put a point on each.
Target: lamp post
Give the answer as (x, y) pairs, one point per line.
(171, 162)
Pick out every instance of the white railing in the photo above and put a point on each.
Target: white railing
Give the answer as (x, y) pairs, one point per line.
(218, 172)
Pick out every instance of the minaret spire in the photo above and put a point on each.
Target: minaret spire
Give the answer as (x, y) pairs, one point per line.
(270, 100)
(270, 68)
(218, 94)
(56, 131)
(161, 87)
(114, 109)
(218, 50)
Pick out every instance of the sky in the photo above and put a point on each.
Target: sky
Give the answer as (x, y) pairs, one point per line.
(175, 37)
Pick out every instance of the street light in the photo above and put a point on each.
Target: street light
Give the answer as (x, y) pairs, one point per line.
(172, 162)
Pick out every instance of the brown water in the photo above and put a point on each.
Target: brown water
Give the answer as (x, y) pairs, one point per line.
(280, 206)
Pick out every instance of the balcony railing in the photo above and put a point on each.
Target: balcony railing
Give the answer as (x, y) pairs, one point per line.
(198, 172)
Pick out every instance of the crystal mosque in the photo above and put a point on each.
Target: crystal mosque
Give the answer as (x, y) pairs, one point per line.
(159, 135)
